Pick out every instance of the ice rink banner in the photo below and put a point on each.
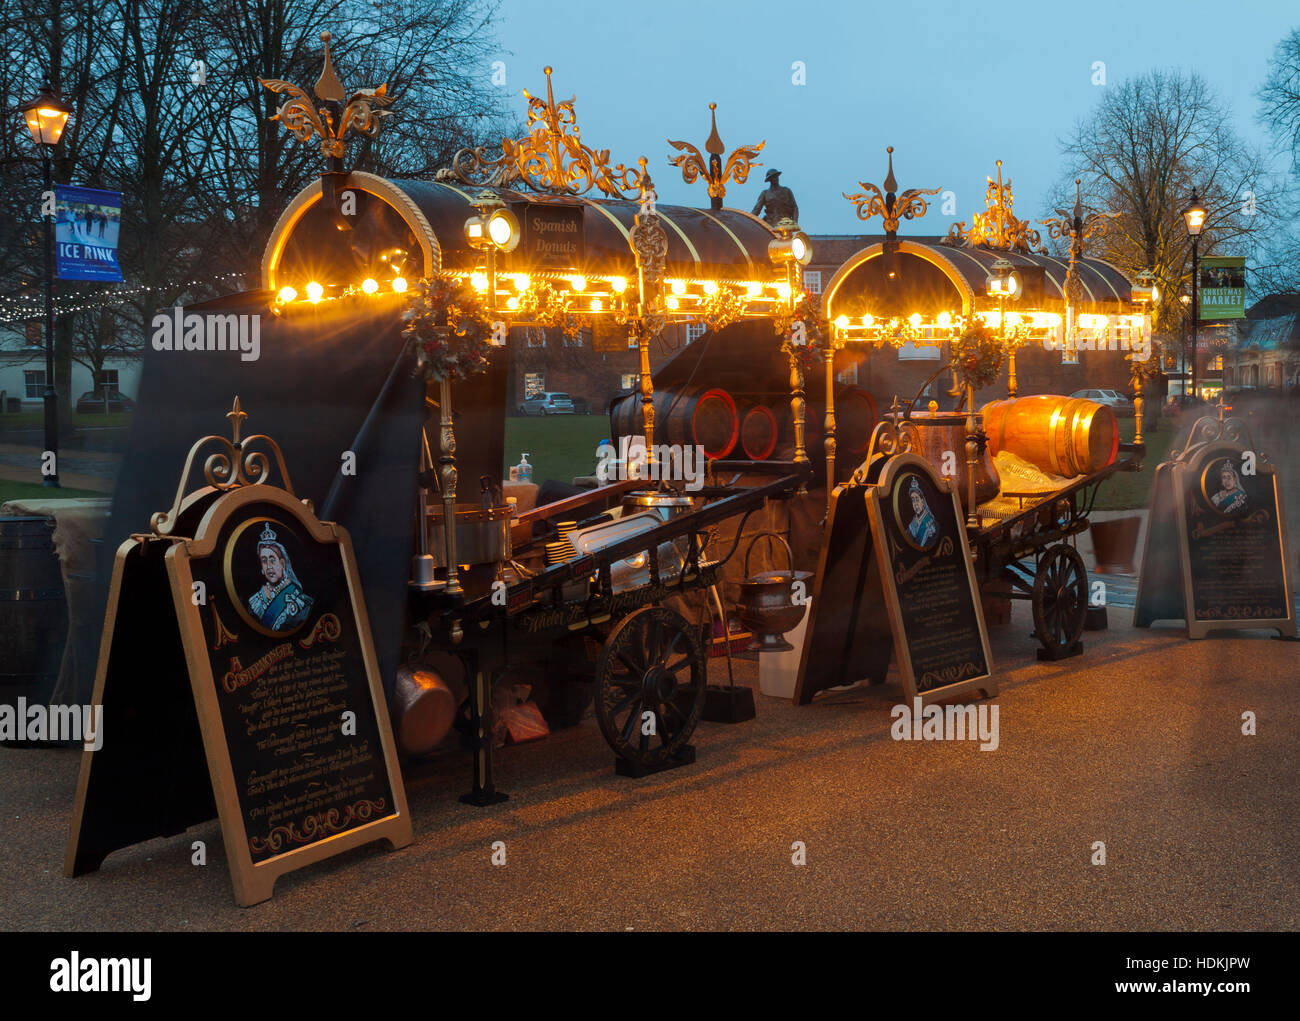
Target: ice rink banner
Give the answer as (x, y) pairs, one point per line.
(85, 232)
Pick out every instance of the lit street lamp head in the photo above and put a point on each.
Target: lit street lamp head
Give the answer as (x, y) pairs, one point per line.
(1194, 215)
(46, 116)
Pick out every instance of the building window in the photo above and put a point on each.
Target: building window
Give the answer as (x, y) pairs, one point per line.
(33, 332)
(630, 380)
(535, 336)
(34, 380)
(577, 340)
(812, 280)
(1217, 364)
(695, 330)
(108, 380)
(534, 385)
(849, 375)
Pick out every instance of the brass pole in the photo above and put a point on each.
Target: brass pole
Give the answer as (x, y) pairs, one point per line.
(1137, 403)
(447, 473)
(798, 404)
(972, 457)
(830, 420)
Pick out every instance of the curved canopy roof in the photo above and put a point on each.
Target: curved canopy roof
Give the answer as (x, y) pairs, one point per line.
(1105, 288)
(430, 216)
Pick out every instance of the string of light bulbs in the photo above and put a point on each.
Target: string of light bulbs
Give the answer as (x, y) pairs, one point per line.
(22, 308)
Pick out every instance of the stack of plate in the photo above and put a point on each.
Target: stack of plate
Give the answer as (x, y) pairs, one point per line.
(559, 552)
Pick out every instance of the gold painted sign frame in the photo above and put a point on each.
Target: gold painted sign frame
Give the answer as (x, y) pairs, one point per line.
(1172, 484)
(252, 882)
(984, 683)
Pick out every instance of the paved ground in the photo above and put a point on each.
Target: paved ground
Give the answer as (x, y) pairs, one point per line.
(1137, 744)
(85, 469)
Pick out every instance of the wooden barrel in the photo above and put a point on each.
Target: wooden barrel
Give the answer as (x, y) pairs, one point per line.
(855, 418)
(758, 433)
(1066, 436)
(695, 416)
(33, 609)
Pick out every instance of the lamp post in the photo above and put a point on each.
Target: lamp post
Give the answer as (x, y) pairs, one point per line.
(792, 249)
(1145, 292)
(1194, 217)
(46, 118)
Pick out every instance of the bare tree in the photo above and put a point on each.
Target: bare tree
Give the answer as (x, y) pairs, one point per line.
(1279, 97)
(1151, 140)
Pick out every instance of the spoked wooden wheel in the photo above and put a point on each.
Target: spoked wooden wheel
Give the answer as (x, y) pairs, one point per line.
(650, 680)
(1060, 600)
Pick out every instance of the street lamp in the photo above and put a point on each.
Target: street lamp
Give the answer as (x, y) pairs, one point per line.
(791, 249)
(46, 117)
(1194, 217)
(494, 229)
(1004, 284)
(1145, 293)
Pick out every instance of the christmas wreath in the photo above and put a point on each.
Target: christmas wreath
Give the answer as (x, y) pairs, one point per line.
(977, 355)
(807, 321)
(446, 329)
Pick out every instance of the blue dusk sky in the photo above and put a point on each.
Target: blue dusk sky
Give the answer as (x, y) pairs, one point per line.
(953, 86)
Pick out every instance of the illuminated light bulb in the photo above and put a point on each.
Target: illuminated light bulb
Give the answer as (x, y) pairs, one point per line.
(783, 290)
(399, 284)
(678, 287)
(797, 248)
(499, 231)
(671, 302)
(944, 320)
(597, 305)
(315, 292)
(287, 294)
(512, 303)
(478, 281)
(619, 284)
(914, 319)
(1013, 318)
(370, 285)
(868, 320)
(578, 283)
(710, 287)
(842, 322)
(521, 282)
(753, 289)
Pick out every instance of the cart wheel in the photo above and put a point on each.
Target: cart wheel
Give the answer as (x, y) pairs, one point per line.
(652, 662)
(1060, 600)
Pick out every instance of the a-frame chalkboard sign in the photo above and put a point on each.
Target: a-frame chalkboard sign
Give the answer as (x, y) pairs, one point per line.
(238, 678)
(1216, 553)
(895, 577)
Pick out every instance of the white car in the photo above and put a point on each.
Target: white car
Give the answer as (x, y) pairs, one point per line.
(1114, 400)
(547, 404)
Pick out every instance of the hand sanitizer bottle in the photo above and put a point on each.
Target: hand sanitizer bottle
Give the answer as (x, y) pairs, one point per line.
(525, 470)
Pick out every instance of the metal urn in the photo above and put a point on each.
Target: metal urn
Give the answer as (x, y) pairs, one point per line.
(773, 602)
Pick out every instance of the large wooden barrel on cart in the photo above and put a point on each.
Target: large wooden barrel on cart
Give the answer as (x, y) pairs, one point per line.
(33, 610)
(687, 416)
(1066, 436)
(759, 431)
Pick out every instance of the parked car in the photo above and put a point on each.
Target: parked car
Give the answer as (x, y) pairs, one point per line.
(1113, 399)
(547, 404)
(1183, 402)
(581, 406)
(91, 401)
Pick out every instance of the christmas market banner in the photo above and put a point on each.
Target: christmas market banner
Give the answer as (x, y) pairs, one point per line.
(85, 231)
(1222, 287)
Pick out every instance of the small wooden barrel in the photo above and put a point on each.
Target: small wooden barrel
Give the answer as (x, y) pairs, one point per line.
(1066, 436)
(696, 416)
(758, 433)
(423, 708)
(33, 609)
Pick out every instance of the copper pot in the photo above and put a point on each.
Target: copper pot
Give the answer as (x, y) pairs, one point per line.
(423, 707)
(767, 604)
(944, 433)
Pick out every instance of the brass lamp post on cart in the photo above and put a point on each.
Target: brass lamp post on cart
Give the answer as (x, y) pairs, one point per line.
(792, 249)
(1003, 285)
(1145, 293)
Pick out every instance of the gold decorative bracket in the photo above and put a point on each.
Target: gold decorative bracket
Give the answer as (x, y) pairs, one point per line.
(713, 169)
(997, 226)
(232, 465)
(890, 205)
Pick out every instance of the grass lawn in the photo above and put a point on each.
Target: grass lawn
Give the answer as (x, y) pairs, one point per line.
(92, 420)
(1132, 490)
(560, 447)
(34, 490)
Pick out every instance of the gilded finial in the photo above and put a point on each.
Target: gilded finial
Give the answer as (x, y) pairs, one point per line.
(714, 144)
(1078, 200)
(328, 85)
(890, 183)
(236, 415)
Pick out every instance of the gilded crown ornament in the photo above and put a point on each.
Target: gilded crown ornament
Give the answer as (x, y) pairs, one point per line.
(361, 114)
(715, 171)
(551, 158)
(890, 205)
(997, 226)
(1077, 227)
